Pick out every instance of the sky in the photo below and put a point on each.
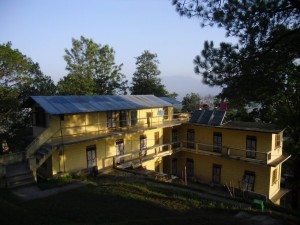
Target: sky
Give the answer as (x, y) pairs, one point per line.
(43, 29)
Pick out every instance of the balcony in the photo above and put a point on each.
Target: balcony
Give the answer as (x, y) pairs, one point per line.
(137, 157)
(87, 132)
(256, 157)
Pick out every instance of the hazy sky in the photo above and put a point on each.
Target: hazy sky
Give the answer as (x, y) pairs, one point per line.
(42, 29)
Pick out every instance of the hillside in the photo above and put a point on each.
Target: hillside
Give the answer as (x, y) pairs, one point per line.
(114, 199)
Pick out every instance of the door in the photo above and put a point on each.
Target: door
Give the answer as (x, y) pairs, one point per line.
(217, 142)
(248, 181)
(91, 156)
(189, 167)
(251, 147)
(174, 166)
(190, 138)
(216, 174)
(175, 143)
(119, 150)
(123, 118)
(133, 118)
(111, 119)
(143, 145)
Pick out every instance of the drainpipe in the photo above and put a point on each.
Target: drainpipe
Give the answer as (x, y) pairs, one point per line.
(62, 145)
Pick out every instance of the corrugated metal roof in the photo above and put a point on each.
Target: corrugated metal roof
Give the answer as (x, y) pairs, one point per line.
(171, 100)
(253, 126)
(82, 104)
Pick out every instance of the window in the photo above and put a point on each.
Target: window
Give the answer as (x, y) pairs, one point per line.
(133, 117)
(123, 118)
(91, 156)
(120, 150)
(274, 176)
(143, 145)
(251, 147)
(156, 138)
(190, 138)
(40, 117)
(249, 180)
(217, 142)
(277, 140)
(189, 167)
(175, 143)
(111, 119)
(174, 166)
(166, 113)
(216, 174)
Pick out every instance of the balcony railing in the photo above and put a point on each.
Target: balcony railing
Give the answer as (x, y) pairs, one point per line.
(71, 134)
(228, 151)
(138, 156)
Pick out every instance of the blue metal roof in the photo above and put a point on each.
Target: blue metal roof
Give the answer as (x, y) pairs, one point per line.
(83, 104)
(171, 100)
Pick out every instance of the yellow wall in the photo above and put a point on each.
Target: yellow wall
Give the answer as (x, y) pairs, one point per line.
(74, 157)
(232, 170)
(235, 139)
(95, 123)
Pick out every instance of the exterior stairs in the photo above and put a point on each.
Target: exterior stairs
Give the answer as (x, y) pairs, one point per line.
(43, 154)
(19, 175)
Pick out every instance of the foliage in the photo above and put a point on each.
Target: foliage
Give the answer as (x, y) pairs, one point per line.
(145, 79)
(260, 69)
(57, 181)
(190, 102)
(172, 95)
(92, 70)
(20, 78)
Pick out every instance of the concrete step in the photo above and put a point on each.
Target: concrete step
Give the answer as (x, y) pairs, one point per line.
(43, 152)
(20, 181)
(16, 169)
(18, 175)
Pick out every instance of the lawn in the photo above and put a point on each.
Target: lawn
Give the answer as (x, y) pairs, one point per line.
(115, 199)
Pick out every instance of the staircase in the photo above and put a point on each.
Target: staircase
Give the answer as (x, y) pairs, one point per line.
(43, 154)
(19, 175)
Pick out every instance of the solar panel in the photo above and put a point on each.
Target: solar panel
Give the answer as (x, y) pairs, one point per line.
(205, 117)
(218, 118)
(196, 115)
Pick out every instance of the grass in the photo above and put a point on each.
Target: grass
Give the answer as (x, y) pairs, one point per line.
(117, 200)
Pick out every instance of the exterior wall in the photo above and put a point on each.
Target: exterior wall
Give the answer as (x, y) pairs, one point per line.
(275, 181)
(231, 138)
(276, 151)
(96, 123)
(74, 156)
(235, 140)
(232, 171)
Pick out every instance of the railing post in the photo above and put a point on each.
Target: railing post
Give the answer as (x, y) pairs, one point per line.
(228, 151)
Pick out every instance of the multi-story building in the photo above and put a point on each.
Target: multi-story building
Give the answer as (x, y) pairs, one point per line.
(74, 133)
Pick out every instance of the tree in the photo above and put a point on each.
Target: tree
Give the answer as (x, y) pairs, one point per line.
(92, 70)
(145, 79)
(190, 102)
(173, 95)
(260, 69)
(20, 78)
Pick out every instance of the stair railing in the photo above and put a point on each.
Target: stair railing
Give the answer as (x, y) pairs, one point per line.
(39, 141)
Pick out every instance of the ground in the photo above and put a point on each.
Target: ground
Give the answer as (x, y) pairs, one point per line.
(114, 199)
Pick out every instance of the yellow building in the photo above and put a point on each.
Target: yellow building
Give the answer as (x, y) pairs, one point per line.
(93, 133)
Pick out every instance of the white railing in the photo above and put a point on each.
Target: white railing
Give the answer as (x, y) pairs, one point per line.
(237, 153)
